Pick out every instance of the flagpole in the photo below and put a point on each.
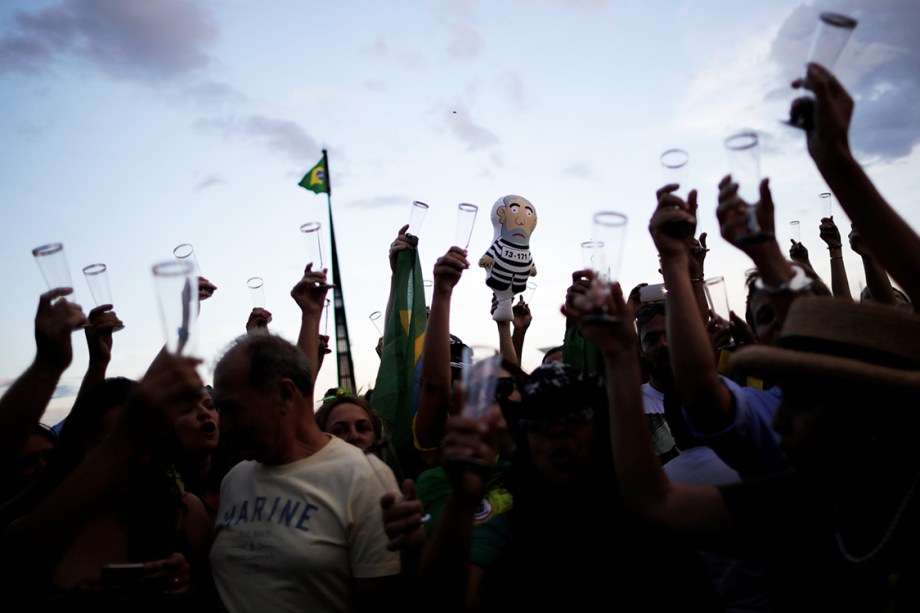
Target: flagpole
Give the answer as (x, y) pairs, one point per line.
(344, 362)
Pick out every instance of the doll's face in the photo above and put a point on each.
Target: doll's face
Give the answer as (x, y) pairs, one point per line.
(518, 218)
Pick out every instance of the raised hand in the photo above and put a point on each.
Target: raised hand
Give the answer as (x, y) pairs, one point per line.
(102, 323)
(604, 318)
(206, 289)
(826, 117)
(698, 251)
(55, 320)
(521, 314)
(310, 292)
(741, 331)
(858, 245)
(672, 210)
(448, 269)
(634, 301)
(469, 448)
(798, 252)
(733, 213)
(829, 232)
(719, 330)
(402, 517)
(258, 321)
(324, 345)
(401, 243)
(581, 281)
(169, 387)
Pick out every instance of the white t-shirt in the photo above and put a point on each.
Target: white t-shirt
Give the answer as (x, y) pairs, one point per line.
(292, 537)
(699, 464)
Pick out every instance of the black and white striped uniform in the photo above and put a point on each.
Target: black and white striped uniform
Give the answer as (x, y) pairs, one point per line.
(511, 267)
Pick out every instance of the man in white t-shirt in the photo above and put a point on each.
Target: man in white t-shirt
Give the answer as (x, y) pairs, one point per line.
(299, 525)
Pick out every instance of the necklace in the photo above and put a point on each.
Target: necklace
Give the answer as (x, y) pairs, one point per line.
(849, 557)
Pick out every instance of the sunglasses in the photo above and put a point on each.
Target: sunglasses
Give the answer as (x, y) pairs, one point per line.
(572, 418)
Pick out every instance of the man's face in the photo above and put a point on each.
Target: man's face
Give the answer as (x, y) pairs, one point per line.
(812, 425)
(561, 452)
(33, 458)
(653, 344)
(251, 422)
(518, 219)
(767, 317)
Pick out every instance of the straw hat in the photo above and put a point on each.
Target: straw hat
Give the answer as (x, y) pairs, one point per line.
(850, 341)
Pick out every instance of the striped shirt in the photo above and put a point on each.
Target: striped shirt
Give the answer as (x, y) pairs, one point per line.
(511, 267)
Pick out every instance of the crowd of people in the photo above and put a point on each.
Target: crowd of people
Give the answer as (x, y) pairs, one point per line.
(661, 458)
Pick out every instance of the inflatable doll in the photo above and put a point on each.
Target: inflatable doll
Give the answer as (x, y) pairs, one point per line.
(508, 262)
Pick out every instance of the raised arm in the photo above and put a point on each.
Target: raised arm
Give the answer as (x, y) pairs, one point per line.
(402, 243)
(258, 321)
(877, 281)
(435, 381)
(521, 320)
(696, 262)
(603, 317)
(102, 323)
(511, 343)
(505, 342)
(41, 537)
(24, 403)
(446, 573)
(310, 295)
(830, 234)
(706, 400)
(826, 118)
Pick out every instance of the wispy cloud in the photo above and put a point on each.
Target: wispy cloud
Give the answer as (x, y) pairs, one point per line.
(381, 201)
(210, 181)
(462, 126)
(381, 49)
(581, 5)
(140, 41)
(514, 89)
(462, 39)
(277, 135)
(376, 85)
(880, 68)
(579, 171)
(212, 95)
(64, 390)
(464, 42)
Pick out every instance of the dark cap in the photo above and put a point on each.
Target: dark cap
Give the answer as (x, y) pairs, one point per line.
(456, 356)
(557, 390)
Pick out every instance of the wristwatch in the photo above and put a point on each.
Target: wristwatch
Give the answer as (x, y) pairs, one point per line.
(799, 282)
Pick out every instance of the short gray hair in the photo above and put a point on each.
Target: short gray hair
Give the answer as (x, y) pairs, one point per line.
(270, 358)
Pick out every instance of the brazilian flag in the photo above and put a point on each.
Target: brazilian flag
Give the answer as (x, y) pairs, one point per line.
(403, 335)
(317, 178)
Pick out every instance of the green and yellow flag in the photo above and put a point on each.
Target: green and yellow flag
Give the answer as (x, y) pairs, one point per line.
(393, 396)
(317, 178)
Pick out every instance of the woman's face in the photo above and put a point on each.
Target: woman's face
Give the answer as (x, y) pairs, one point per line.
(198, 427)
(351, 423)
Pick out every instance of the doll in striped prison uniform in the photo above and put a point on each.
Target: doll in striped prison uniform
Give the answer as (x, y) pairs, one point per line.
(508, 262)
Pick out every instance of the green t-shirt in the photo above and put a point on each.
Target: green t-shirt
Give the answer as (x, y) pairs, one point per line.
(491, 528)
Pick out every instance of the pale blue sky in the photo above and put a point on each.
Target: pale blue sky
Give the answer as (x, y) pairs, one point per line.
(131, 127)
